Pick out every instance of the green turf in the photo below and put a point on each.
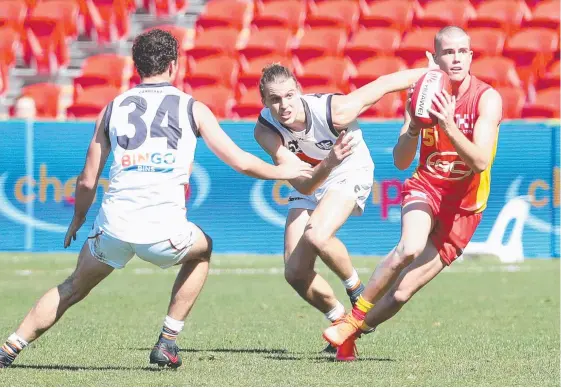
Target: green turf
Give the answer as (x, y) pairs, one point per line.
(478, 323)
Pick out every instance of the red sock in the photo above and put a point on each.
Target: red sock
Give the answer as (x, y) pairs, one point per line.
(358, 314)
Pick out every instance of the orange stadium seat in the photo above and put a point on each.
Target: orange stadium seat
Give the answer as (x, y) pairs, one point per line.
(216, 70)
(226, 13)
(496, 71)
(64, 13)
(266, 41)
(219, 99)
(550, 78)
(532, 49)
(219, 40)
(443, 13)
(513, 101)
(250, 71)
(323, 89)
(415, 43)
(318, 42)
(8, 45)
(389, 106)
(104, 69)
(92, 101)
(546, 104)
(289, 14)
(44, 45)
(366, 43)
(249, 105)
(389, 13)
(335, 13)
(46, 97)
(12, 14)
(373, 68)
(107, 20)
(164, 8)
(546, 14)
(486, 41)
(4, 78)
(326, 71)
(504, 14)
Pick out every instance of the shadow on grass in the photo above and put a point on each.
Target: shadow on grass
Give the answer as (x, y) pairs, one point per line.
(256, 351)
(325, 358)
(76, 368)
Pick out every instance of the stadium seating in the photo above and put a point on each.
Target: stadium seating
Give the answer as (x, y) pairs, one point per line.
(12, 14)
(327, 71)
(250, 71)
(367, 43)
(320, 42)
(504, 14)
(267, 41)
(371, 69)
(46, 97)
(336, 13)
(416, 43)
(92, 101)
(545, 14)
(486, 41)
(513, 101)
(8, 45)
(550, 78)
(226, 13)
(288, 14)
(105, 69)
(249, 105)
(389, 13)
(216, 70)
(219, 40)
(219, 99)
(444, 13)
(546, 104)
(496, 71)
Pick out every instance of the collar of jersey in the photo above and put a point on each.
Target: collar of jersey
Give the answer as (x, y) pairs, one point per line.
(158, 85)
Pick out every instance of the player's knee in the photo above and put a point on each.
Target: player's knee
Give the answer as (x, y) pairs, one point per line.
(402, 296)
(295, 277)
(315, 238)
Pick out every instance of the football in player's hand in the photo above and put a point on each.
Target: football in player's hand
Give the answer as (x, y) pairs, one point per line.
(426, 87)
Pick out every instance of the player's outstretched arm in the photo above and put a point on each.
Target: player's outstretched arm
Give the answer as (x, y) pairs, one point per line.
(346, 108)
(272, 144)
(479, 154)
(86, 183)
(244, 162)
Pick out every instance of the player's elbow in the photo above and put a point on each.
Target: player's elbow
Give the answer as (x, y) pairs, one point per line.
(480, 165)
(85, 182)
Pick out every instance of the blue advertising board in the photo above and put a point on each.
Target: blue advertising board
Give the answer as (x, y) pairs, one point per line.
(40, 162)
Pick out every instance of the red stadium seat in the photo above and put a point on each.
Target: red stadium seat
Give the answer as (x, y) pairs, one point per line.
(323, 89)
(226, 13)
(8, 46)
(250, 72)
(546, 14)
(443, 13)
(504, 14)
(550, 78)
(163, 8)
(389, 13)
(44, 45)
(513, 101)
(46, 97)
(289, 14)
(326, 71)
(4, 78)
(321, 42)
(219, 99)
(415, 43)
(486, 41)
(92, 101)
(249, 105)
(64, 13)
(374, 41)
(546, 104)
(532, 49)
(12, 14)
(104, 69)
(220, 40)
(216, 70)
(389, 106)
(336, 14)
(107, 20)
(267, 41)
(496, 71)
(371, 69)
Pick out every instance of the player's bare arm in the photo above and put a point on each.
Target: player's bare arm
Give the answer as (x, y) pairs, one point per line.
(477, 155)
(86, 183)
(346, 108)
(223, 147)
(406, 147)
(272, 144)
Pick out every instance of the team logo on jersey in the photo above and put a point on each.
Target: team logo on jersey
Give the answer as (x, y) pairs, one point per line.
(325, 145)
(447, 166)
(148, 161)
(294, 147)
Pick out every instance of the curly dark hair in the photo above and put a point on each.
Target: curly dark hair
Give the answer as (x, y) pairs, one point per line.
(153, 51)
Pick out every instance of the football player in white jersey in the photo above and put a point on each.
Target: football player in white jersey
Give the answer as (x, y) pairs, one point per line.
(152, 130)
(322, 130)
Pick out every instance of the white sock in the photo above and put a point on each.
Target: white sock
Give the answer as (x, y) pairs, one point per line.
(173, 324)
(17, 341)
(336, 312)
(351, 282)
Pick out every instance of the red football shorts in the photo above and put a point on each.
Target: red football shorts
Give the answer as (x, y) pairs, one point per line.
(452, 230)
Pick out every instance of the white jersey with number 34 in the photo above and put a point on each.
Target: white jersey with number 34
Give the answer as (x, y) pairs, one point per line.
(153, 138)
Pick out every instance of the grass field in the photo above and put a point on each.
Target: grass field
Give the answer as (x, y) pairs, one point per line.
(478, 323)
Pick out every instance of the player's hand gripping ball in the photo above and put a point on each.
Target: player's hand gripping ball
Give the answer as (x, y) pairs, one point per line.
(426, 87)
